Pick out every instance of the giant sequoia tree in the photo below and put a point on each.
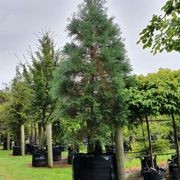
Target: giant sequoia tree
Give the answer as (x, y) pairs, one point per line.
(91, 79)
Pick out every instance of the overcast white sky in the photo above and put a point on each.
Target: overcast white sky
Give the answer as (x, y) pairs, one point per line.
(21, 19)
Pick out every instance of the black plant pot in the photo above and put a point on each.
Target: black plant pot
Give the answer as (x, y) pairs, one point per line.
(16, 150)
(39, 158)
(110, 149)
(31, 148)
(174, 169)
(71, 156)
(174, 172)
(4, 145)
(94, 167)
(57, 153)
(146, 163)
(153, 174)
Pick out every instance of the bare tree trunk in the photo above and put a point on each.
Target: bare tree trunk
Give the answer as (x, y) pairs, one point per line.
(8, 141)
(32, 130)
(49, 145)
(90, 143)
(35, 133)
(18, 137)
(144, 139)
(41, 136)
(149, 140)
(119, 153)
(176, 138)
(90, 146)
(22, 141)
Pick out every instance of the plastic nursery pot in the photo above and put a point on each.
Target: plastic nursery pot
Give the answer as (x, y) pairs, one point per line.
(71, 155)
(57, 153)
(39, 158)
(16, 150)
(146, 163)
(174, 172)
(31, 148)
(153, 174)
(94, 167)
(174, 169)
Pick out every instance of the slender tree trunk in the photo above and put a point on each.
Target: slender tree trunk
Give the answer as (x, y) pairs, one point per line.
(90, 146)
(35, 133)
(176, 138)
(112, 138)
(22, 141)
(149, 140)
(144, 139)
(32, 133)
(119, 152)
(41, 136)
(18, 137)
(8, 141)
(49, 145)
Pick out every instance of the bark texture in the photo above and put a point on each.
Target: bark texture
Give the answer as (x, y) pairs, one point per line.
(22, 141)
(49, 145)
(119, 153)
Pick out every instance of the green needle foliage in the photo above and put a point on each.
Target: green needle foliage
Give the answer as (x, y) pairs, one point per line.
(92, 78)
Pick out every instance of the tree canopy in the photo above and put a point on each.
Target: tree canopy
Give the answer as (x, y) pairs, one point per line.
(163, 31)
(40, 75)
(91, 79)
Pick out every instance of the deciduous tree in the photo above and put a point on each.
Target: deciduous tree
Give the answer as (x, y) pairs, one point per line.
(163, 31)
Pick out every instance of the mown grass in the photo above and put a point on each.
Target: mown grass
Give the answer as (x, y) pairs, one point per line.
(19, 167)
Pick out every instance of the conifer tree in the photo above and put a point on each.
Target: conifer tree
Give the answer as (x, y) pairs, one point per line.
(92, 77)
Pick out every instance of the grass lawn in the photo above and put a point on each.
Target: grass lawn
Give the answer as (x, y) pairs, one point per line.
(19, 168)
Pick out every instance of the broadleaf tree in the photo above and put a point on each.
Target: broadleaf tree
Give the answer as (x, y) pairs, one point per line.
(167, 94)
(142, 105)
(163, 31)
(158, 94)
(18, 106)
(92, 78)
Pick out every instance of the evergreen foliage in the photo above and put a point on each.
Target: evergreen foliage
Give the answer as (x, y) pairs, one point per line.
(92, 77)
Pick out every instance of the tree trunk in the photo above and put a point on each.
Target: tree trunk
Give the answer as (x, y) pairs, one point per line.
(49, 145)
(119, 153)
(144, 139)
(35, 133)
(22, 141)
(176, 138)
(149, 140)
(18, 137)
(8, 141)
(90, 146)
(41, 136)
(32, 133)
